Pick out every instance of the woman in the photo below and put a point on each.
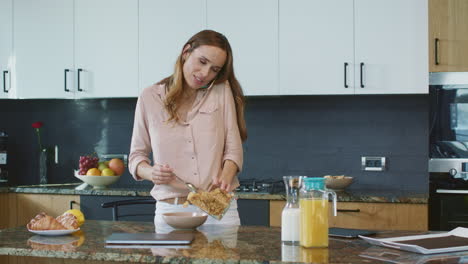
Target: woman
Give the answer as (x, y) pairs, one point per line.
(193, 123)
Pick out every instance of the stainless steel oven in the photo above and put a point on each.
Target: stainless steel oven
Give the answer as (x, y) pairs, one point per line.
(448, 163)
(448, 197)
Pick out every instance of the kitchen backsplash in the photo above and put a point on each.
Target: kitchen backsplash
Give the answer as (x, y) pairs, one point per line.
(288, 135)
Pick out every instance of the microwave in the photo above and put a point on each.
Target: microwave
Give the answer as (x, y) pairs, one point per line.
(448, 122)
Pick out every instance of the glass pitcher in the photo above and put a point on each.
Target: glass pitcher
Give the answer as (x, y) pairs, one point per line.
(313, 204)
(290, 216)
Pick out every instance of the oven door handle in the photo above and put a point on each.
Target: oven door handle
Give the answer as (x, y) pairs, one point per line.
(452, 191)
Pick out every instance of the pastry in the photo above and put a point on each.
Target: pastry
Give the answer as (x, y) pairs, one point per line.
(42, 221)
(69, 221)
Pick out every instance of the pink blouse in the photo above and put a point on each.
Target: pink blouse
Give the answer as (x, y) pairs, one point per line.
(195, 149)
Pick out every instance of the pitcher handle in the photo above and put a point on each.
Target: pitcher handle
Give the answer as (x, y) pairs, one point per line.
(333, 194)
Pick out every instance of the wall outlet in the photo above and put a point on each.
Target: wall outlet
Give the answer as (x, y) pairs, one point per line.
(373, 163)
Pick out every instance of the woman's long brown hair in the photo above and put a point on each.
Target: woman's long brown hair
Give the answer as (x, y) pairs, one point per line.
(174, 83)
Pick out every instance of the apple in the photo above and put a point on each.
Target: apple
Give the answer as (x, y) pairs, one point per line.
(102, 165)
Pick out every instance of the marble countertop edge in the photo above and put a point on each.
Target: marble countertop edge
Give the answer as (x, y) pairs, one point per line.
(369, 196)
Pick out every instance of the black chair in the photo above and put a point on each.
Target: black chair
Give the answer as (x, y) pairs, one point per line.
(116, 204)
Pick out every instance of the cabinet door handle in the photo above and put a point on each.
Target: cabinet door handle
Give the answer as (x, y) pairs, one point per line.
(436, 51)
(345, 75)
(362, 69)
(348, 210)
(65, 77)
(79, 80)
(4, 81)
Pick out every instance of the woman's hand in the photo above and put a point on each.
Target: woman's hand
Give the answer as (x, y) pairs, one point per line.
(162, 174)
(224, 183)
(224, 180)
(158, 174)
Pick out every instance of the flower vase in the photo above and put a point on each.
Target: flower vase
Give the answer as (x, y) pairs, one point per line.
(43, 166)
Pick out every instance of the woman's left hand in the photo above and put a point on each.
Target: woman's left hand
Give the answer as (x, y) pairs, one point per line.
(223, 183)
(224, 180)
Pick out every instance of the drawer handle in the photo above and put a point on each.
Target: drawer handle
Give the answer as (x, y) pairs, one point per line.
(349, 210)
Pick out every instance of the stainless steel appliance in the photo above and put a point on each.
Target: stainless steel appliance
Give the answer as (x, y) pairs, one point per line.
(448, 163)
(270, 186)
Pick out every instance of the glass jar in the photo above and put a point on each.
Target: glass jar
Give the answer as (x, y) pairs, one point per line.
(313, 204)
(290, 216)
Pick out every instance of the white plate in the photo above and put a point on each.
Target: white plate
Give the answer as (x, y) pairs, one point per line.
(53, 232)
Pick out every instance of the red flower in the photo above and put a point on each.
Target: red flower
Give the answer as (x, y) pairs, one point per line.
(37, 124)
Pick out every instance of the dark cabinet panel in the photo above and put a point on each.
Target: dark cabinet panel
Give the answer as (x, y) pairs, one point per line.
(254, 212)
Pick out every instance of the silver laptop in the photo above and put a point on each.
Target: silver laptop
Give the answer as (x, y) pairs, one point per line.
(150, 239)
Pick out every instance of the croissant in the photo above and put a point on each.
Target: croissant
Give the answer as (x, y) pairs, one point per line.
(69, 221)
(42, 221)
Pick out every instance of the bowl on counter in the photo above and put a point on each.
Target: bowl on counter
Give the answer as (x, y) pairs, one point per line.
(98, 182)
(185, 220)
(337, 183)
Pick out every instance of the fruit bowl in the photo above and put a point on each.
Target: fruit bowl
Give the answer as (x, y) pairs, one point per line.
(338, 183)
(185, 220)
(98, 182)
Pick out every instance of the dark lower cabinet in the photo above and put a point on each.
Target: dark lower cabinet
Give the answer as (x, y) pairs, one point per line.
(251, 212)
(254, 212)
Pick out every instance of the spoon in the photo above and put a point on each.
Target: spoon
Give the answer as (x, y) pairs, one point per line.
(190, 186)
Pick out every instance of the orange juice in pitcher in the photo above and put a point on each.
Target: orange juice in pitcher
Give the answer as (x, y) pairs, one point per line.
(313, 204)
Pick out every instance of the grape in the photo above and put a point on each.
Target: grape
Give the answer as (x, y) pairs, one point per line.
(86, 163)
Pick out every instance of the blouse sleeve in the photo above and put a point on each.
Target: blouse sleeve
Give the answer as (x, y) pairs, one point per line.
(141, 144)
(233, 145)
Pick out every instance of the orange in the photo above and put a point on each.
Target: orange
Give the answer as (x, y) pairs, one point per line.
(117, 166)
(93, 172)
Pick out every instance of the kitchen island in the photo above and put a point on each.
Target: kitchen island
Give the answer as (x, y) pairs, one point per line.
(244, 244)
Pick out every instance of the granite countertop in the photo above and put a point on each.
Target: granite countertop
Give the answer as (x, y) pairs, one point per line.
(212, 244)
(351, 195)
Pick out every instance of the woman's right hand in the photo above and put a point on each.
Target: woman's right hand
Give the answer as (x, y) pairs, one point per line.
(162, 174)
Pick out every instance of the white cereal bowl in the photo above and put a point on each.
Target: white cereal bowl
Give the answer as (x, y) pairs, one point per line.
(185, 220)
(98, 182)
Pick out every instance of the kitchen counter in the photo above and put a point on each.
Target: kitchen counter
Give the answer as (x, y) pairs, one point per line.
(247, 244)
(374, 196)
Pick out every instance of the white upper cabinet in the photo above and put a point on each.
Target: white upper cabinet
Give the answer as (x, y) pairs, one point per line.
(164, 27)
(43, 48)
(387, 39)
(252, 30)
(391, 39)
(106, 48)
(316, 47)
(6, 52)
